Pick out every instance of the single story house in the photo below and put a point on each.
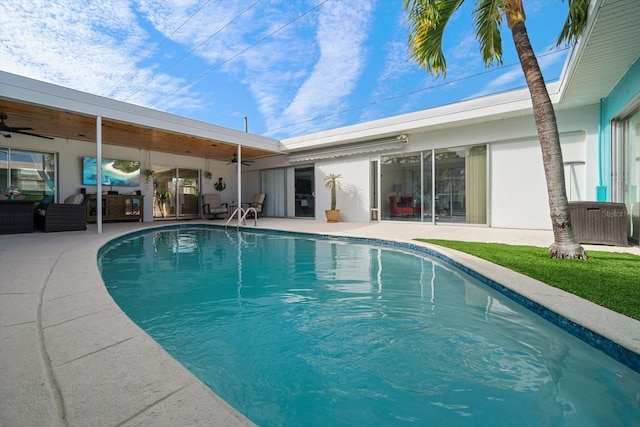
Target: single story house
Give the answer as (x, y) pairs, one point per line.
(477, 161)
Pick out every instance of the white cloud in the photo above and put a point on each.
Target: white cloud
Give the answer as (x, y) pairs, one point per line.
(397, 62)
(514, 77)
(81, 44)
(342, 30)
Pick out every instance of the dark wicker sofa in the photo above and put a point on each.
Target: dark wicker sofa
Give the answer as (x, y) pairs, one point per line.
(62, 217)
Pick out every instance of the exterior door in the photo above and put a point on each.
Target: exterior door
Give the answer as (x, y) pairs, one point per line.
(188, 193)
(176, 193)
(305, 194)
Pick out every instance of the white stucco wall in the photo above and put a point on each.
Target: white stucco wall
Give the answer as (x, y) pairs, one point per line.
(353, 197)
(518, 192)
(516, 182)
(518, 188)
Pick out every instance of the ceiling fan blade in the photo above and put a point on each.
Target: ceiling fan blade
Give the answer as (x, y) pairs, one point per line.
(6, 128)
(234, 160)
(30, 134)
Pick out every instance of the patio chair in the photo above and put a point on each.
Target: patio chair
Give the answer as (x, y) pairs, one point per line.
(399, 210)
(67, 216)
(257, 201)
(212, 206)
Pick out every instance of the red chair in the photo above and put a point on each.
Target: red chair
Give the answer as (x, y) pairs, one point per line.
(399, 210)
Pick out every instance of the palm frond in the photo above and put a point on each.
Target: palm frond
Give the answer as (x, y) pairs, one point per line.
(575, 22)
(487, 20)
(428, 20)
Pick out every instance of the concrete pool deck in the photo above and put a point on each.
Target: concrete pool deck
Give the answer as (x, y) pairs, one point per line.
(70, 357)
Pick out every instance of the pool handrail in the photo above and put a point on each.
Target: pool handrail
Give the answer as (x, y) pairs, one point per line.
(242, 214)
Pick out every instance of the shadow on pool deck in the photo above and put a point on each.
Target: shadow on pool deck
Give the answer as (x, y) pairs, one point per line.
(69, 356)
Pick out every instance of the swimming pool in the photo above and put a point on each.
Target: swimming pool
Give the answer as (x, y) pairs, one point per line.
(298, 330)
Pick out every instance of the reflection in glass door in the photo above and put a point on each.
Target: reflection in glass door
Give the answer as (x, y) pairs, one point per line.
(444, 185)
(625, 185)
(176, 193)
(428, 198)
(461, 185)
(450, 191)
(188, 193)
(305, 196)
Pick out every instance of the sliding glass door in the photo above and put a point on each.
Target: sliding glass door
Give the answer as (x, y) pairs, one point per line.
(400, 188)
(305, 195)
(444, 185)
(625, 185)
(176, 193)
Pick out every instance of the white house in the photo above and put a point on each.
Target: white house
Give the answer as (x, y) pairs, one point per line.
(477, 161)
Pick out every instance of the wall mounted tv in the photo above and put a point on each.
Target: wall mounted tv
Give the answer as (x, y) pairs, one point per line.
(118, 173)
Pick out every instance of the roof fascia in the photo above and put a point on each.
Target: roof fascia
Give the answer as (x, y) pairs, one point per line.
(486, 108)
(32, 91)
(577, 50)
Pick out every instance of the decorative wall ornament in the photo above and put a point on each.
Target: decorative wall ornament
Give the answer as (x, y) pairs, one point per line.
(208, 175)
(220, 185)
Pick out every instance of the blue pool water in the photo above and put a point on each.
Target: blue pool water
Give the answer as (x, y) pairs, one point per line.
(295, 330)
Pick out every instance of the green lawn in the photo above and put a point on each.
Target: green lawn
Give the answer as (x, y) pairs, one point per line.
(606, 278)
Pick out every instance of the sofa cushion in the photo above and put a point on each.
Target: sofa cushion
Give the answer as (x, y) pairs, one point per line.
(74, 199)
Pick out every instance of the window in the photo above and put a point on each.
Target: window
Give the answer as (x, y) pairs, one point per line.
(33, 173)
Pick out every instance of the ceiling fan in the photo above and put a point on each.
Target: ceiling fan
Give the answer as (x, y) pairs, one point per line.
(234, 159)
(6, 130)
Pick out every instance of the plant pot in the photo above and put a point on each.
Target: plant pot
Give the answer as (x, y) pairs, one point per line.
(333, 215)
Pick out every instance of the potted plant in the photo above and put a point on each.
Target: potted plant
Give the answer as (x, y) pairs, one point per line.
(148, 173)
(332, 182)
(162, 198)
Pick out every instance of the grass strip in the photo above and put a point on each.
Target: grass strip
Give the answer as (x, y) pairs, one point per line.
(609, 279)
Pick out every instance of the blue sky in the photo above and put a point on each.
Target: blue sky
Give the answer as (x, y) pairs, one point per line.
(290, 66)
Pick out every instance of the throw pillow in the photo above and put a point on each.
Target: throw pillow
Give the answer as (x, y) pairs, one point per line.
(74, 199)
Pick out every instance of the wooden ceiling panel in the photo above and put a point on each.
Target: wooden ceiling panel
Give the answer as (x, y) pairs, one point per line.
(63, 124)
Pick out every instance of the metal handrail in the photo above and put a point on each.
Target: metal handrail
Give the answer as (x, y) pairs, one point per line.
(242, 214)
(238, 211)
(255, 215)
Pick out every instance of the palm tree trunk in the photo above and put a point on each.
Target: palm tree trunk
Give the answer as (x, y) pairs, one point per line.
(564, 245)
